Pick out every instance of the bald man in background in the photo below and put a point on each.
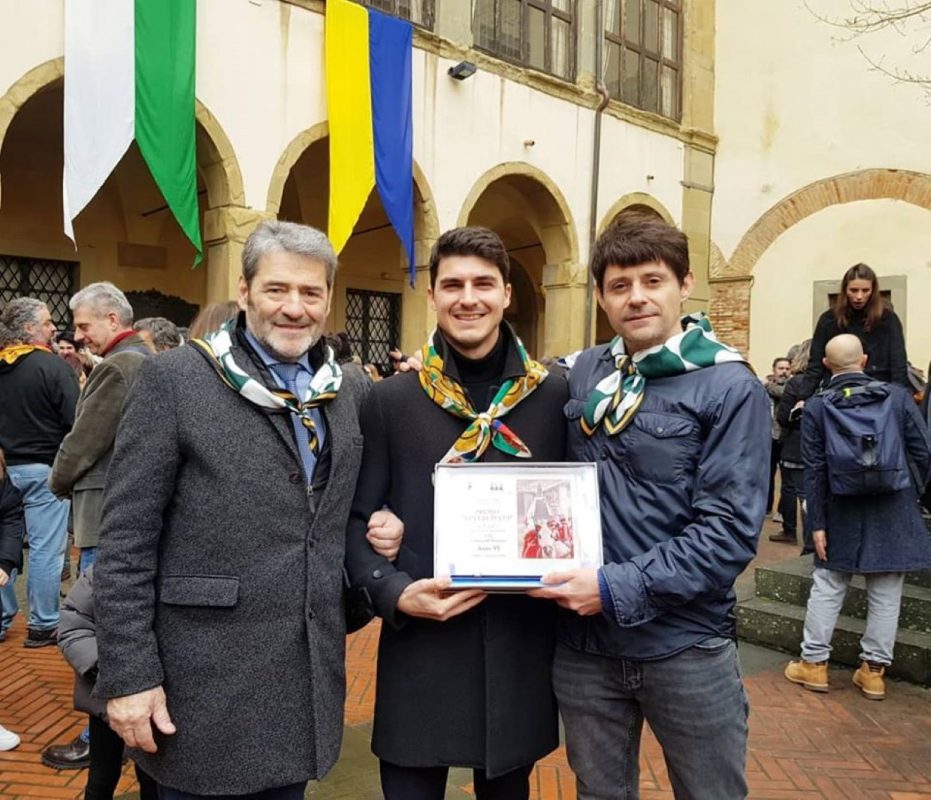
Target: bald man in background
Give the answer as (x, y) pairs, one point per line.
(880, 536)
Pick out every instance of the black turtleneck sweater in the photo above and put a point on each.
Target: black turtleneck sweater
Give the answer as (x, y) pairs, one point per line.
(884, 345)
(481, 377)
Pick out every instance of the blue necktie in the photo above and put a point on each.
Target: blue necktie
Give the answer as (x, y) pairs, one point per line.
(304, 429)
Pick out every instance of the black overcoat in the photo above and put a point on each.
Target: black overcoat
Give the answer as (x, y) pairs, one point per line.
(884, 345)
(474, 691)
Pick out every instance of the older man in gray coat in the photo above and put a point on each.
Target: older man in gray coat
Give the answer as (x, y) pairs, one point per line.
(219, 573)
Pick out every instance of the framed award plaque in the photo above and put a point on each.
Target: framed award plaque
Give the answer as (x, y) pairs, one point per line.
(501, 527)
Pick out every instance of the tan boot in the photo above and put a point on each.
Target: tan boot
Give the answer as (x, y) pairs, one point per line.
(869, 678)
(812, 676)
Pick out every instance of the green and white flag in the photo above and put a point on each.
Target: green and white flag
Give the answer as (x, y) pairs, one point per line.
(129, 74)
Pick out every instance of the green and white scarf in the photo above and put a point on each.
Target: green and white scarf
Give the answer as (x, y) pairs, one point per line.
(217, 347)
(617, 397)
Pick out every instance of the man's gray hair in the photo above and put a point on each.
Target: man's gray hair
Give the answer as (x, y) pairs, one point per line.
(274, 236)
(16, 316)
(103, 297)
(165, 334)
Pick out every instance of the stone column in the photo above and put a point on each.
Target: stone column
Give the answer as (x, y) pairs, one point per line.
(225, 232)
(564, 322)
(700, 141)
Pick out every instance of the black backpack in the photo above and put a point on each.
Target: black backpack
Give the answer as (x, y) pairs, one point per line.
(863, 443)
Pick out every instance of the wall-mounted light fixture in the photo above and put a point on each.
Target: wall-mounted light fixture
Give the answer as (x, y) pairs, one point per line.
(462, 70)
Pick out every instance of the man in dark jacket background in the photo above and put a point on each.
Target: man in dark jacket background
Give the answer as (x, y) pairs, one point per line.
(775, 386)
(679, 428)
(38, 393)
(881, 536)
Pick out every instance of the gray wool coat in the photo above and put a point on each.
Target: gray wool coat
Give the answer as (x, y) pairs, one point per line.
(219, 577)
(80, 467)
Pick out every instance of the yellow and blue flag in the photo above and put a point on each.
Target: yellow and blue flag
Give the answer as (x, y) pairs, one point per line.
(369, 99)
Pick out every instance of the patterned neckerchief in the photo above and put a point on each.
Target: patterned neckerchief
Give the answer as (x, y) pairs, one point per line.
(486, 428)
(616, 398)
(217, 347)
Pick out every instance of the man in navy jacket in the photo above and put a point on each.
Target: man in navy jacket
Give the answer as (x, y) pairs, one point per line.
(680, 430)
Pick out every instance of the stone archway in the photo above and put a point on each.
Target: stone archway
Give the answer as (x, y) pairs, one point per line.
(635, 201)
(138, 245)
(528, 210)
(373, 270)
(731, 280)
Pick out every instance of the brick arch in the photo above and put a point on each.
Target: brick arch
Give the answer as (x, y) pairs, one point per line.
(867, 184)
(732, 281)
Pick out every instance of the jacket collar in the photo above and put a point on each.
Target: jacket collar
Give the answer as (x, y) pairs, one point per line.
(127, 341)
(849, 379)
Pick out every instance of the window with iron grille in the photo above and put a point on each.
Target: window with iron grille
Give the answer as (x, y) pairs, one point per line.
(643, 54)
(420, 12)
(536, 33)
(52, 282)
(373, 324)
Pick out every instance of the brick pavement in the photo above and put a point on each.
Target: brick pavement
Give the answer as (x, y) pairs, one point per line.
(802, 745)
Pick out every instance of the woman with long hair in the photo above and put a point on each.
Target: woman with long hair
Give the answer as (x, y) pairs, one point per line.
(211, 317)
(860, 310)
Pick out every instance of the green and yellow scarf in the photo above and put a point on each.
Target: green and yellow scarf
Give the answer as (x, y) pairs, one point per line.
(486, 427)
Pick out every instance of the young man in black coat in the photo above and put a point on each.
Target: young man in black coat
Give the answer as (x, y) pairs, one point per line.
(463, 679)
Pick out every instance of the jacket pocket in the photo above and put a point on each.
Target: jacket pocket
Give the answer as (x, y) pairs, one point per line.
(214, 591)
(662, 447)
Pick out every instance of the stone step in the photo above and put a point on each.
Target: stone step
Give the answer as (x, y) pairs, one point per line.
(779, 625)
(922, 578)
(790, 582)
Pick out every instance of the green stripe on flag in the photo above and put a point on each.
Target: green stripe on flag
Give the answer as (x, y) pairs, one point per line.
(165, 122)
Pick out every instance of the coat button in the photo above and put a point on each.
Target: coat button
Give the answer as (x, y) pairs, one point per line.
(295, 477)
(603, 455)
(377, 574)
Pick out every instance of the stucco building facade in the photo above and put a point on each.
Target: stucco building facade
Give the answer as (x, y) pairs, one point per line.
(512, 147)
(823, 162)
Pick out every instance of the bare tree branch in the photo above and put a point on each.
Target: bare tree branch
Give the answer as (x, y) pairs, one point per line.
(908, 18)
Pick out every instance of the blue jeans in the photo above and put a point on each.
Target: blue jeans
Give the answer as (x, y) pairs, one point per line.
(47, 527)
(86, 558)
(694, 703)
(293, 791)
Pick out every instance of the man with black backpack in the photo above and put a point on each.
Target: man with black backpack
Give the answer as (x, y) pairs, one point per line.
(867, 455)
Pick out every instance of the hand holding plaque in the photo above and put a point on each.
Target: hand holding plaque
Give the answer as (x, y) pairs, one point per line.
(500, 527)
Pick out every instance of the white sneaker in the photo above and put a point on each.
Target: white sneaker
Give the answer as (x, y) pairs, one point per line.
(8, 739)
